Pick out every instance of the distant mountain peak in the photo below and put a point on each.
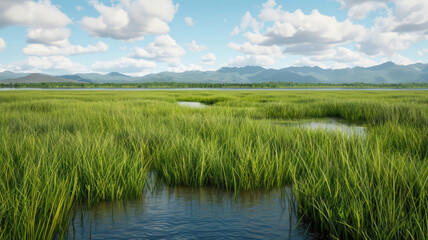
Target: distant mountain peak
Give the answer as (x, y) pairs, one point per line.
(116, 74)
(383, 66)
(241, 70)
(38, 75)
(37, 78)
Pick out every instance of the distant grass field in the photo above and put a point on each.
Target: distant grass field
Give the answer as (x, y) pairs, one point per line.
(59, 149)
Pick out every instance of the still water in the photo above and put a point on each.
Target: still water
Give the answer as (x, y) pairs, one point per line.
(191, 213)
(328, 125)
(192, 104)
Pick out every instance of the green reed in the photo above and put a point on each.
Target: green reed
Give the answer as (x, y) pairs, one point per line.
(59, 149)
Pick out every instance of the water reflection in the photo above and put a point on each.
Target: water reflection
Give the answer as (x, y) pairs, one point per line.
(192, 104)
(330, 125)
(189, 213)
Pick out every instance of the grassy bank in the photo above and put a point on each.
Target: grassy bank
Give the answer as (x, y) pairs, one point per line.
(59, 149)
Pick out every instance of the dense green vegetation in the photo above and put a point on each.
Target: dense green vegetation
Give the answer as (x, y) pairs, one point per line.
(213, 85)
(59, 149)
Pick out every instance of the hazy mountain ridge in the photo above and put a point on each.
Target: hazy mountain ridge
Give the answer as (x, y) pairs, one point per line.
(37, 78)
(11, 75)
(384, 73)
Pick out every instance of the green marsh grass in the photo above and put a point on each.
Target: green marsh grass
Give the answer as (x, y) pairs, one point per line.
(59, 149)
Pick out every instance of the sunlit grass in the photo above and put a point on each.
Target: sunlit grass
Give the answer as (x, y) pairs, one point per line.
(59, 149)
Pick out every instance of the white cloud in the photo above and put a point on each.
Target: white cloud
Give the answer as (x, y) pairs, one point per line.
(124, 65)
(405, 24)
(420, 53)
(130, 20)
(254, 54)
(208, 59)
(251, 60)
(47, 34)
(297, 28)
(303, 62)
(52, 64)
(179, 67)
(164, 48)
(247, 21)
(301, 34)
(411, 16)
(79, 8)
(194, 47)
(344, 55)
(386, 43)
(189, 21)
(54, 41)
(2, 44)
(41, 14)
(358, 9)
(50, 36)
(400, 60)
(43, 50)
(361, 10)
(270, 12)
(253, 49)
(235, 31)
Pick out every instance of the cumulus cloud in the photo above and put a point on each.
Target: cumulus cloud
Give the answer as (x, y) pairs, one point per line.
(344, 55)
(386, 43)
(164, 49)
(303, 62)
(360, 11)
(51, 36)
(124, 64)
(41, 14)
(189, 21)
(179, 67)
(79, 8)
(404, 24)
(420, 53)
(270, 11)
(300, 34)
(208, 59)
(251, 60)
(54, 41)
(194, 47)
(253, 49)
(43, 50)
(2, 44)
(323, 38)
(297, 28)
(400, 60)
(59, 64)
(247, 21)
(235, 31)
(254, 54)
(411, 16)
(130, 20)
(47, 34)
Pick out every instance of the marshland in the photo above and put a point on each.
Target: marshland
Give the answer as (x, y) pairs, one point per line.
(61, 150)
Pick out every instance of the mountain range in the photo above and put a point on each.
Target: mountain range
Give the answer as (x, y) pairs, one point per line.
(388, 72)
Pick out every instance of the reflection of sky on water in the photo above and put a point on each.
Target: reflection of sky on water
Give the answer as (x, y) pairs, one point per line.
(190, 213)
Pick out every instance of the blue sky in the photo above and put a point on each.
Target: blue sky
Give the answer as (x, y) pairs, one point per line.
(139, 37)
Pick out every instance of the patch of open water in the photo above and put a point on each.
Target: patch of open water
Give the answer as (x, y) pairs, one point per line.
(191, 213)
(329, 125)
(192, 104)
